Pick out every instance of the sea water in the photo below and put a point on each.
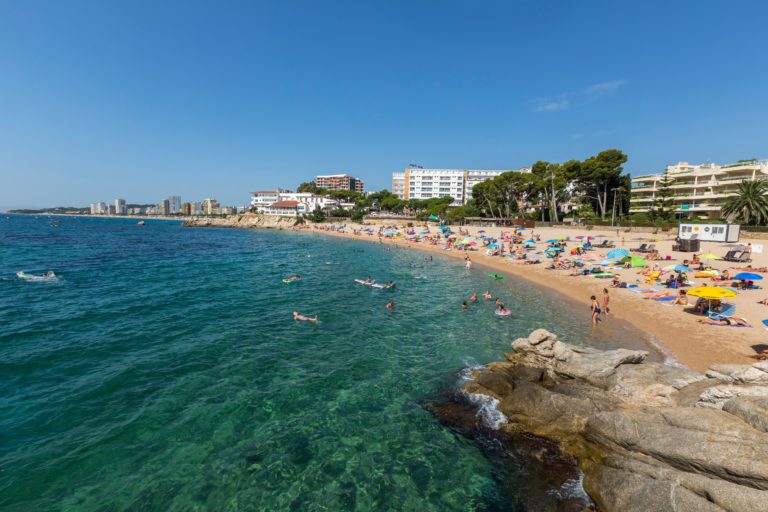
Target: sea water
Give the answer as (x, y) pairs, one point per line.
(164, 371)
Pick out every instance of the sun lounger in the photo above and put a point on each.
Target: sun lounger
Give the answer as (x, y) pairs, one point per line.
(744, 257)
(651, 247)
(726, 312)
(642, 248)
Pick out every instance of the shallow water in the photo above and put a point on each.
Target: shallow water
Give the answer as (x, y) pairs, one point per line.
(164, 371)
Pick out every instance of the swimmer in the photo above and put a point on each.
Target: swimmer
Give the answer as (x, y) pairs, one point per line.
(497, 302)
(464, 305)
(487, 295)
(303, 318)
(390, 304)
(368, 280)
(473, 298)
(502, 310)
(296, 277)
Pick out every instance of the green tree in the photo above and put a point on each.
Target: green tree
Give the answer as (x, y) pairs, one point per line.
(357, 214)
(663, 208)
(505, 194)
(308, 186)
(317, 215)
(552, 182)
(597, 175)
(750, 205)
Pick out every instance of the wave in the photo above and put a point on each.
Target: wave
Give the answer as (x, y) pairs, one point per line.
(487, 410)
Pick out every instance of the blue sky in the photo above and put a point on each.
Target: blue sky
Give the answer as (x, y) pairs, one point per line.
(141, 100)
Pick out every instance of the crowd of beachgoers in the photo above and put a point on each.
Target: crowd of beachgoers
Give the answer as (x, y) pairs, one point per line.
(716, 289)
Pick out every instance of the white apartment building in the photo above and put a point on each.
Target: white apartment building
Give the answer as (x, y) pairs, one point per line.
(264, 202)
(174, 204)
(210, 206)
(99, 208)
(699, 190)
(120, 208)
(419, 183)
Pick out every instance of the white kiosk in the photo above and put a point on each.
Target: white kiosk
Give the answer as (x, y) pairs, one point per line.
(709, 232)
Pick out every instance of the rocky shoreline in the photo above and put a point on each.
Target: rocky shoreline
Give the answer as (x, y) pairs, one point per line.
(647, 436)
(245, 220)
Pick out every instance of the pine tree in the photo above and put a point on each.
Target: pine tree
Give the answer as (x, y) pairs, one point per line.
(663, 207)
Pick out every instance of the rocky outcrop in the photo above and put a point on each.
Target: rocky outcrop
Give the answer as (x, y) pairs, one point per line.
(646, 435)
(246, 220)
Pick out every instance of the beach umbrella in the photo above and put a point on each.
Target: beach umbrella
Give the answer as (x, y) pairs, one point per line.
(710, 256)
(553, 241)
(553, 249)
(433, 217)
(493, 245)
(617, 253)
(529, 242)
(748, 276)
(605, 262)
(481, 231)
(682, 268)
(712, 292)
(637, 261)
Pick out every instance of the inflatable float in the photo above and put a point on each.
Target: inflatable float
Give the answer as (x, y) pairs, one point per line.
(496, 276)
(31, 277)
(503, 313)
(362, 281)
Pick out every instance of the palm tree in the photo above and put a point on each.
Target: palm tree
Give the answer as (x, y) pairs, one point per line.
(750, 205)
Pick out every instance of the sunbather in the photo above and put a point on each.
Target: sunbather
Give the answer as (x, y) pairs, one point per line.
(682, 298)
(732, 321)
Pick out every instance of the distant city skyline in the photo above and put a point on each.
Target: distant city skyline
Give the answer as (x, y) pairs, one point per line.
(142, 100)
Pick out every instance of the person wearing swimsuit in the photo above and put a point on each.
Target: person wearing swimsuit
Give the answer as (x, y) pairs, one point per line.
(595, 307)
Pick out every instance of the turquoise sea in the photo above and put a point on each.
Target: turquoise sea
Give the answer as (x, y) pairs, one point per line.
(164, 371)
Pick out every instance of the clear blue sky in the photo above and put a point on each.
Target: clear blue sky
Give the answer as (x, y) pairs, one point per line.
(140, 99)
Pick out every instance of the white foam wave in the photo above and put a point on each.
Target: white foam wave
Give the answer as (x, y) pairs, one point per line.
(669, 357)
(487, 410)
(465, 374)
(573, 488)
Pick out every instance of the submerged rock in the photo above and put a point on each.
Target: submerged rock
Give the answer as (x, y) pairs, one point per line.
(647, 436)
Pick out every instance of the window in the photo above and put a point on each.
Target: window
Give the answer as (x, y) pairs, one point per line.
(445, 189)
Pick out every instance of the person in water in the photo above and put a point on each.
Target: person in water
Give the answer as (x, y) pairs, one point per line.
(304, 318)
(297, 277)
(368, 280)
(473, 297)
(390, 304)
(497, 302)
(595, 307)
(464, 305)
(487, 295)
(502, 310)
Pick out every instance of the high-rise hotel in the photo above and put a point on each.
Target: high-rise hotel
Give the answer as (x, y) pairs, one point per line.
(419, 183)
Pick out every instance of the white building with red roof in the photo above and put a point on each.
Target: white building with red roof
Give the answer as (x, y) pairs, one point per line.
(289, 204)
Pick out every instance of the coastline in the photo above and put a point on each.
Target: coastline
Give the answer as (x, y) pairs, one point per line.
(673, 333)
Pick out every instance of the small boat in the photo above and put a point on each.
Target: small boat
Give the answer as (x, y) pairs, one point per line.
(140, 223)
(362, 281)
(383, 286)
(48, 276)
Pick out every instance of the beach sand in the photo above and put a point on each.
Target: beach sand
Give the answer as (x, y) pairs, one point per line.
(681, 336)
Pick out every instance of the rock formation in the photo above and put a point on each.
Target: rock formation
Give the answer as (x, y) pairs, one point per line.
(246, 220)
(648, 436)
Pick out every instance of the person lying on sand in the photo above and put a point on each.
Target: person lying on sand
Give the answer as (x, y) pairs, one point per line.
(761, 356)
(750, 268)
(732, 321)
(658, 295)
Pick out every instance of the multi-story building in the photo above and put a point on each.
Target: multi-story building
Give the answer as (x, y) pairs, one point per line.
(195, 208)
(99, 208)
(186, 208)
(120, 208)
(264, 202)
(340, 182)
(210, 206)
(419, 183)
(174, 204)
(163, 207)
(699, 190)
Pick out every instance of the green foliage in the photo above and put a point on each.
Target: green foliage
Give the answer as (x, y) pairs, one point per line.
(340, 212)
(505, 194)
(308, 186)
(317, 215)
(663, 208)
(597, 175)
(357, 214)
(750, 205)
(459, 213)
(347, 196)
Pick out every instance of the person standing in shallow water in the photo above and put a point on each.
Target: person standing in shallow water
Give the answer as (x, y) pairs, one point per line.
(606, 300)
(467, 262)
(595, 307)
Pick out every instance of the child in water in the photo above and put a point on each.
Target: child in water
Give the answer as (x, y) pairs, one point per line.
(303, 318)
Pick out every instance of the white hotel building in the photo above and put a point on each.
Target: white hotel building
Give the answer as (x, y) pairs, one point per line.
(698, 189)
(419, 183)
(289, 204)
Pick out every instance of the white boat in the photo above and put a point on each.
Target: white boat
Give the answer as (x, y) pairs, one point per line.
(362, 281)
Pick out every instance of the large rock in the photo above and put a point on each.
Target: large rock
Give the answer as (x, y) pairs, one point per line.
(647, 436)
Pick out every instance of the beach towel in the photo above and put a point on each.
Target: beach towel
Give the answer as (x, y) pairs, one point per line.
(739, 325)
(671, 297)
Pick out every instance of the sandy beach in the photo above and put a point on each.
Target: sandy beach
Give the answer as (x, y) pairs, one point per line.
(676, 328)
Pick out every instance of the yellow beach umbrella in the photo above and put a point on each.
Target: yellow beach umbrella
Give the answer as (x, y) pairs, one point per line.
(710, 256)
(711, 292)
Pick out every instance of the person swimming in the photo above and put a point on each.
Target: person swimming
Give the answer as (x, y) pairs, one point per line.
(464, 305)
(473, 297)
(368, 280)
(497, 302)
(304, 318)
(296, 277)
(390, 304)
(501, 310)
(487, 295)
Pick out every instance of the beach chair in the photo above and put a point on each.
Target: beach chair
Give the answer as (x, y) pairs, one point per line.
(744, 257)
(730, 255)
(725, 312)
(651, 247)
(642, 248)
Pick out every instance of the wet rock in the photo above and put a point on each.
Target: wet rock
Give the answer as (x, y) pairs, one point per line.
(647, 436)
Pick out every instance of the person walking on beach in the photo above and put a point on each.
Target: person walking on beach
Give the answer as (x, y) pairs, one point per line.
(606, 299)
(595, 307)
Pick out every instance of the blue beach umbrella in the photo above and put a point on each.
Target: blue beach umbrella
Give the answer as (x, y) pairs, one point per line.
(682, 268)
(748, 276)
(553, 241)
(617, 253)
(554, 249)
(529, 242)
(493, 245)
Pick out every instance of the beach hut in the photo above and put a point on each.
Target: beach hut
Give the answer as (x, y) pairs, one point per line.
(637, 261)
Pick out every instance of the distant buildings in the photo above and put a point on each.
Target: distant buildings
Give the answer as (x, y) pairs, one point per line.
(174, 204)
(210, 206)
(99, 208)
(697, 189)
(289, 204)
(419, 183)
(340, 182)
(120, 208)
